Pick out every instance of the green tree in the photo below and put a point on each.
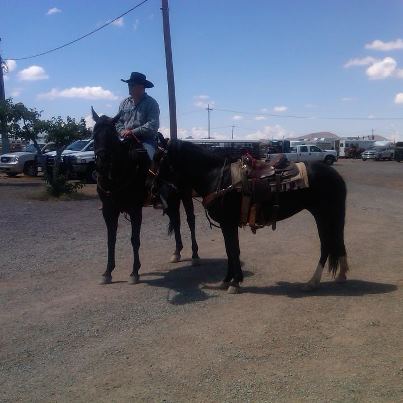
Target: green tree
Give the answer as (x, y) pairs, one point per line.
(62, 133)
(8, 120)
(28, 124)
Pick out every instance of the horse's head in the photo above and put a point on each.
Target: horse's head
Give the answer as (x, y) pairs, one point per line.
(106, 140)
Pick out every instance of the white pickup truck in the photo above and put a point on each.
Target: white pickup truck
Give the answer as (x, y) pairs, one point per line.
(308, 153)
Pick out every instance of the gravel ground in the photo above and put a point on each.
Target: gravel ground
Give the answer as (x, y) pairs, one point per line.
(170, 338)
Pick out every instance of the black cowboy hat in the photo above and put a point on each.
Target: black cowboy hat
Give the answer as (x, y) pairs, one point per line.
(138, 78)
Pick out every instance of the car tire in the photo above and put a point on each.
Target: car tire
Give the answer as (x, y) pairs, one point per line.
(30, 169)
(329, 160)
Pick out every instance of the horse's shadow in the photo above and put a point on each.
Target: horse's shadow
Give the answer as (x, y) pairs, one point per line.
(351, 288)
(185, 283)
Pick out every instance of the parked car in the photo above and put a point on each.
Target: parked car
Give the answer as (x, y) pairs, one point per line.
(78, 146)
(399, 151)
(308, 153)
(27, 161)
(378, 153)
(82, 164)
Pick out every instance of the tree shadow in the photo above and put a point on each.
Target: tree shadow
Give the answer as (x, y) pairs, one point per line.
(351, 288)
(185, 283)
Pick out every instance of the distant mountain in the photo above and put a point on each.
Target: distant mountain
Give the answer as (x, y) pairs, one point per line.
(329, 135)
(318, 135)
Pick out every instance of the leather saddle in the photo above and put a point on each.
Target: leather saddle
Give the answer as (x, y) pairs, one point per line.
(280, 165)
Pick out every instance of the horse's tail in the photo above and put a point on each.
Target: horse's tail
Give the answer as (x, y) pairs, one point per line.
(336, 246)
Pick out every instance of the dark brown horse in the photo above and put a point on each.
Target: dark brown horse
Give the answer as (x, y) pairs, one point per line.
(122, 169)
(186, 165)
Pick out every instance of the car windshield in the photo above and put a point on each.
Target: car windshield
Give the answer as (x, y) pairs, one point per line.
(78, 145)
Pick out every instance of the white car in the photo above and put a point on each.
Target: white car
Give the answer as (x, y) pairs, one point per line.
(378, 153)
(25, 161)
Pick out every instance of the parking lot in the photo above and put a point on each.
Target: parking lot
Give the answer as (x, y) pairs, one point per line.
(170, 338)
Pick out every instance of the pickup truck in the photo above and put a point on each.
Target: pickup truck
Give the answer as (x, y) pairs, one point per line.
(308, 153)
(26, 161)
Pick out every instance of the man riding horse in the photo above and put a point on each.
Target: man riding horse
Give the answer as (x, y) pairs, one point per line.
(139, 114)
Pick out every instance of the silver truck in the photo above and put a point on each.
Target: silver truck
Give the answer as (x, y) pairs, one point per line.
(308, 153)
(25, 161)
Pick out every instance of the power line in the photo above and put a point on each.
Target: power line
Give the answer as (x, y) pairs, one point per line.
(307, 117)
(78, 39)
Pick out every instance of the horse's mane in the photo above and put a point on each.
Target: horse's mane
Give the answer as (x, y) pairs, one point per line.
(184, 154)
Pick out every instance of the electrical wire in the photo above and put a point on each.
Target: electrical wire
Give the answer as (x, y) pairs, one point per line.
(78, 39)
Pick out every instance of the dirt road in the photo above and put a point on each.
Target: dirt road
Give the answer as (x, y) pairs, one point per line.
(63, 337)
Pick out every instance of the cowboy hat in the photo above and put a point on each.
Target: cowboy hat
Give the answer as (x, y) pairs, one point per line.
(138, 78)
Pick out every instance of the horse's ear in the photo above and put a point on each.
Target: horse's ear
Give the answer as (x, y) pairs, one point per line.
(94, 115)
(116, 118)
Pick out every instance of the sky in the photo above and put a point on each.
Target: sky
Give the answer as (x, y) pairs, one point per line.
(271, 69)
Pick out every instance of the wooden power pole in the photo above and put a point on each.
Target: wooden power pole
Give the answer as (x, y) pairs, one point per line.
(4, 137)
(170, 70)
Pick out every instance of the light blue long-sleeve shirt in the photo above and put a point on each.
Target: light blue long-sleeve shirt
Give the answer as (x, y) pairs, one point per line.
(142, 117)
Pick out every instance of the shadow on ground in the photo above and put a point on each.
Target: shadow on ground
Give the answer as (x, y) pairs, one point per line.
(185, 283)
(351, 288)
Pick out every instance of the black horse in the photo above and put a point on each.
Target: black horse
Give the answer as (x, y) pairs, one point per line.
(122, 168)
(187, 165)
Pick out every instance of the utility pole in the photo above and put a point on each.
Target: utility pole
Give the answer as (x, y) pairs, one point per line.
(5, 146)
(372, 131)
(208, 117)
(232, 132)
(170, 70)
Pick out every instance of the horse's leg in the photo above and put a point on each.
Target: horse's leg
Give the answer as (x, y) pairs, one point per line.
(234, 274)
(191, 219)
(135, 219)
(111, 217)
(173, 213)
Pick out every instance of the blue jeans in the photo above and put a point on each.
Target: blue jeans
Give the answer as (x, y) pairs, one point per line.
(150, 148)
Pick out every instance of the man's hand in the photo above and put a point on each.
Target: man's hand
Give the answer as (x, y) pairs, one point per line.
(128, 134)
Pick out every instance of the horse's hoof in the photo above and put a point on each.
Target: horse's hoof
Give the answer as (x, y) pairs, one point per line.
(195, 261)
(106, 280)
(224, 285)
(175, 258)
(134, 279)
(234, 289)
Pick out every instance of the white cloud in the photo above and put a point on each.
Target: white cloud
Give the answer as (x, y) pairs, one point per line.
(11, 65)
(264, 110)
(136, 24)
(53, 10)
(33, 73)
(5, 77)
(79, 92)
(347, 99)
(269, 132)
(237, 117)
(89, 121)
(382, 69)
(202, 101)
(399, 98)
(385, 46)
(280, 108)
(364, 61)
(15, 92)
(119, 22)
(260, 118)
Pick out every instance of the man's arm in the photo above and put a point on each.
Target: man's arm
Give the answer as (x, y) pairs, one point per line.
(120, 124)
(149, 128)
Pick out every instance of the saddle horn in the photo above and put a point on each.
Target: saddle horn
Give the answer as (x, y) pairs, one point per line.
(94, 114)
